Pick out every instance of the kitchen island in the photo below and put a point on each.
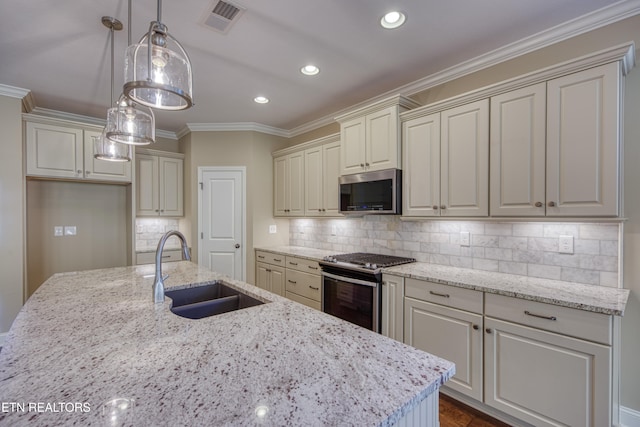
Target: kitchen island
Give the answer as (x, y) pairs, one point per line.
(91, 348)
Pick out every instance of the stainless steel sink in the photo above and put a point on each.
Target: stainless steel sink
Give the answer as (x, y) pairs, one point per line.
(208, 300)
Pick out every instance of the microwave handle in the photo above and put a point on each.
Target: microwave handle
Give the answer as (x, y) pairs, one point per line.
(350, 280)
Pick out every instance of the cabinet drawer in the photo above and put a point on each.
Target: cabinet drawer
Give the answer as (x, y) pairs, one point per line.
(150, 257)
(450, 296)
(303, 284)
(302, 300)
(587, 325)
(270, 258)
(304, 265)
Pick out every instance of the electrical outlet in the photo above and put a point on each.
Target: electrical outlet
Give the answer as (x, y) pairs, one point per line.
(565, 245)
(465, 238)
(272, 229)
(58, 231)
(69, 230)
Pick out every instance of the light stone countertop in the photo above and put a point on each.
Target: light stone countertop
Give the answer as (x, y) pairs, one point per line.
(95, 336)
(593, 298)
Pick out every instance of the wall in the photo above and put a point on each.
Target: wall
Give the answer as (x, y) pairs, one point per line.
(99, 212)
(243, 148)
(11, 212)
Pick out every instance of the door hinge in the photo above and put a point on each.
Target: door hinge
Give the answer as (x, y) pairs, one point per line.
(202, 235)
(202, 186)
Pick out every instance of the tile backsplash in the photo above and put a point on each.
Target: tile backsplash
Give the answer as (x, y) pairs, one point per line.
(522, 248)
(149, 231)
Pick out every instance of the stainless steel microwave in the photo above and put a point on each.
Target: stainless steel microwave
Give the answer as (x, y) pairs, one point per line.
(378, 192)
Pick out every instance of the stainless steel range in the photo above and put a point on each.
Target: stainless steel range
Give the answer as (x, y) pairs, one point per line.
(351, 286)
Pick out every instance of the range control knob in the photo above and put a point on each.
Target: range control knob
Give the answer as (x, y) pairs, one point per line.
(367, 265)
(374, 266)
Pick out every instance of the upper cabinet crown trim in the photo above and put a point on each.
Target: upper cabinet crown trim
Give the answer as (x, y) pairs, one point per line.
(624, 53)
(308, 144)
(151, 152)
(399, 100)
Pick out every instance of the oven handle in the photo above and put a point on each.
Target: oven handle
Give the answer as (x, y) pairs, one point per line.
(350, 280)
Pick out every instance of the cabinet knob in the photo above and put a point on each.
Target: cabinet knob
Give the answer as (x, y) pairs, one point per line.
(87, 172)
(435, 207)
(552, 204)
(361, 165)
(319, 210)
(324, 210)
(443, 207)
(488, 330)
(157, 210)
(476, 327)
(161, 210)
(367, 164)
(538, 204)
(79, 171)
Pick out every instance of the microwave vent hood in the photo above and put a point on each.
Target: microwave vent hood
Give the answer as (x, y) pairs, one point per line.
(377, 192)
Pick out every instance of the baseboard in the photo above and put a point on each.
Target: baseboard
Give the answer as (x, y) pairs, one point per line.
(629, 417)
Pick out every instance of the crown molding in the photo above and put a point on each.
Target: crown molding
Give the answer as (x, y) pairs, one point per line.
(234, 127)
(13, 92)
(334, 137)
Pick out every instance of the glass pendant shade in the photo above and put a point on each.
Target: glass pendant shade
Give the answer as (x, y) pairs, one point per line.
(157, 71)
(105, 149)
(128, 124)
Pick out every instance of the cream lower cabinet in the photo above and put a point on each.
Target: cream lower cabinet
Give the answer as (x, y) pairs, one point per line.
(391, 310)
(66, 152)
(447, 322)
(548, 365)
(303, 282)
(446, 162)
(270, 272)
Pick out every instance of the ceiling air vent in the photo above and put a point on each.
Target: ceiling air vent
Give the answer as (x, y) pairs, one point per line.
(223, 14)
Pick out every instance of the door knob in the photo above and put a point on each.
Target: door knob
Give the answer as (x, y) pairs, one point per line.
(237, 245)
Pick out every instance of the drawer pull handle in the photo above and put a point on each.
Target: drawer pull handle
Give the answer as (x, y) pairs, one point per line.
(166, 256)
(311, 267)
(261, 256)
(540, 316)
(277, 260)
(293, 263)
(315, 289)
(268, 271)
(438, 294)
(291, 281)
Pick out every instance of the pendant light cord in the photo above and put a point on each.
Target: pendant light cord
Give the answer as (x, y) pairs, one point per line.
(112, 56)
(159, 10)
(129, 25)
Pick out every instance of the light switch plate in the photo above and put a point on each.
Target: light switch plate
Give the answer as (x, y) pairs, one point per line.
(465, 238)
(565, 245)
(272, 229)
(58, 231)
(69, 230)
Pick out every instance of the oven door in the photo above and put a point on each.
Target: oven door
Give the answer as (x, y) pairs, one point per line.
(355, 300)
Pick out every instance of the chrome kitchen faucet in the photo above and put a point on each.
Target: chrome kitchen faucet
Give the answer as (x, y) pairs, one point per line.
(158, 281)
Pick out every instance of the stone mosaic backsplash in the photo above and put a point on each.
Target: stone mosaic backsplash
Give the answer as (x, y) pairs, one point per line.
(149, 231)
(522, 248)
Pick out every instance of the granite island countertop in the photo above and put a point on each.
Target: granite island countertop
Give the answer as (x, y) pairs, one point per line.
(95, 340)
(598, 299)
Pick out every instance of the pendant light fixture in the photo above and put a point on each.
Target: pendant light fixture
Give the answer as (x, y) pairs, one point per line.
(128, 123)
(157, 70)
(103, 148)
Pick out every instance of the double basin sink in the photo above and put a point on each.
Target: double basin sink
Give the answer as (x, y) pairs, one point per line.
(208, 300)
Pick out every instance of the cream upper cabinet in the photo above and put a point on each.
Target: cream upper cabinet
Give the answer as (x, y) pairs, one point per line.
(288, 181)
(64, 151)
(159, 184)
(370, 136)
(322, 169)
(446, 162)
(518, 139)
(583, 139)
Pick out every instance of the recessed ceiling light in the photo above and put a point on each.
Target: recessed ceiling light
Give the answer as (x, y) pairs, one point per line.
(393, 19)
(310, 70)
(261, 99)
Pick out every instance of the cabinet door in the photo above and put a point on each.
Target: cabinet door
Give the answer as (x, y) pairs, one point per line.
(583, 136)
(280, 186)
(392, 310)
(330, 175)
(313, 181)
(421, 174)
(277, 275)
(147, 203)
(262, 275)
(352, 135)
(464, 189)
(171, 186)
(452, 334)
(546, 379)
(102, 170)
(296, 184)
(54, 151)
(382, 140)
(518, 137)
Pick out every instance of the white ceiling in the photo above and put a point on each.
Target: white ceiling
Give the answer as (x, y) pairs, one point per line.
(60, 51)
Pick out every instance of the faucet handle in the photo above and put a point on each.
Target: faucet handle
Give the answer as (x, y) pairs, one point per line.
(165, 277)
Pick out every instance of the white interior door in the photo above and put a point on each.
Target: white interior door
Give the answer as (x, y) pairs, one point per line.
(221, 220)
